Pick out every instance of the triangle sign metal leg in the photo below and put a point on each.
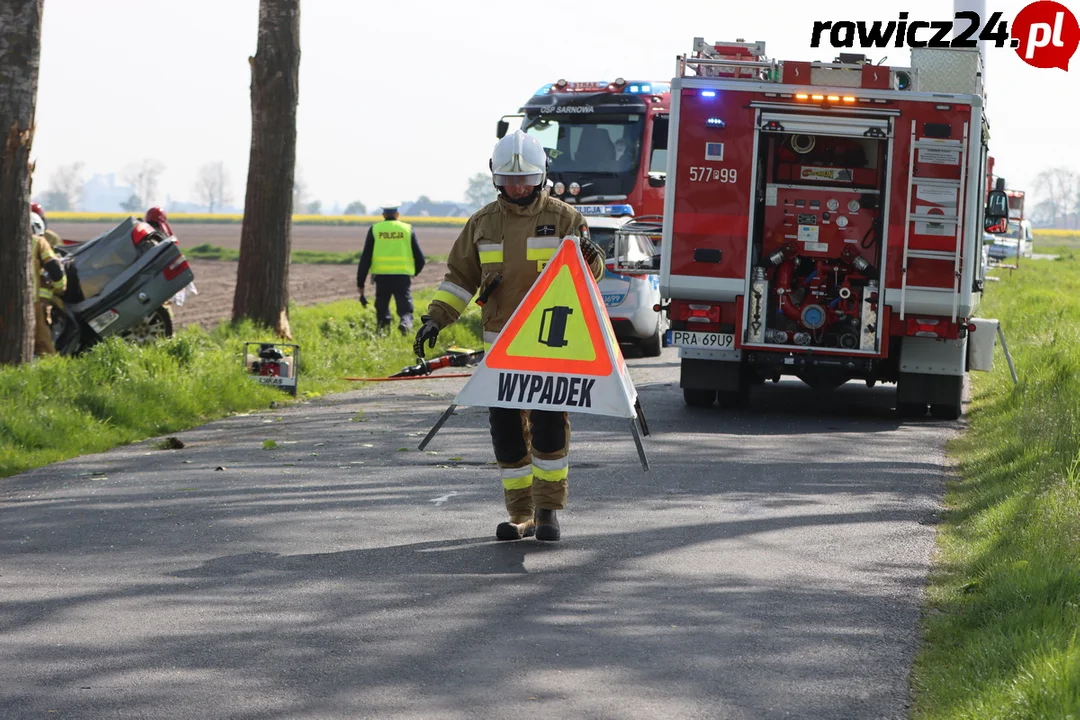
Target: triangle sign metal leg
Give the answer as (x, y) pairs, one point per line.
(640, 449)
(1008, 357)
(442, 421)
(641, 418)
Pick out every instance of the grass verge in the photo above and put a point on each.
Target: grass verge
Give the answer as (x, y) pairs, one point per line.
(1002, 628)
(118, 393)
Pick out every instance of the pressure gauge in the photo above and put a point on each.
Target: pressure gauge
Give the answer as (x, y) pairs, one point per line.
(853, 206)
(833, 204)
(841, 221)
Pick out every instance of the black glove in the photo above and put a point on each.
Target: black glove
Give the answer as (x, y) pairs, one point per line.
(363, 300)
(429, 333)
(590, 251)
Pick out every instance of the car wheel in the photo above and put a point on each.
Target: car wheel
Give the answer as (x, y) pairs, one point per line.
(654, 345)
(154, 326)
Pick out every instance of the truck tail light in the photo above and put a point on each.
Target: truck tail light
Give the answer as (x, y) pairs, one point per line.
(176, 267)
(927, 327)
(696, 312)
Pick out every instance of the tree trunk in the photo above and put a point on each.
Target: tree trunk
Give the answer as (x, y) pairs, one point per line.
(20, 51)
(262, 283)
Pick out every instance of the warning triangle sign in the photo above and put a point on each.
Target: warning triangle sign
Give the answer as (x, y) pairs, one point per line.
(558, 350)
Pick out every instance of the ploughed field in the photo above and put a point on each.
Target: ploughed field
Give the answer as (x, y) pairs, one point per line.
(308, 284)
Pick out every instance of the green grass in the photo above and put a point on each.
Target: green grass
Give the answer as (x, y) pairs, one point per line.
(1002, 628)
(299, 257)
(57, 408)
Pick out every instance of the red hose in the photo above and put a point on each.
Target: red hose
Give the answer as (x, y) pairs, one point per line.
(415, 377)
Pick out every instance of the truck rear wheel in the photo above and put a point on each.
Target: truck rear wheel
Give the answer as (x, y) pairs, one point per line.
(945, 412)
(953, 402)
(735, 399)
(911, 410)
(699, 398)
(943, 393)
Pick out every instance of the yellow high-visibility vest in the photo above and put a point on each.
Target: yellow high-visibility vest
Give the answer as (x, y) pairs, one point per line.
(43, 253)
(392, 254)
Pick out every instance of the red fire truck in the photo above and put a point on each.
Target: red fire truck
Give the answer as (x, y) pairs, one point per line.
(607, 142)
(825, 220)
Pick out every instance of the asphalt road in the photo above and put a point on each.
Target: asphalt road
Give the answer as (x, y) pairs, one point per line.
(769, 566)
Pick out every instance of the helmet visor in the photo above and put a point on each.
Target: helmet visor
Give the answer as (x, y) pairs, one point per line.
(530, 180)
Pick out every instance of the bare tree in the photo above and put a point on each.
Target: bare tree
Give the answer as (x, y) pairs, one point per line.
(65, 187)
(262, 282)
(20, 55)
(1060, 187)
(212, 185)
(480, 191)
(143, 177)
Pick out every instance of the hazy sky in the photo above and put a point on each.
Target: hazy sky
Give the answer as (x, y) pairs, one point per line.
(401, 99)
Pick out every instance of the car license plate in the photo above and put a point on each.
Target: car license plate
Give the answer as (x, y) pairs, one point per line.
(715, 341)
(104, 320)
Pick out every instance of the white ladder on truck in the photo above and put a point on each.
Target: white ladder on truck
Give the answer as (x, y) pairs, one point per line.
(956, 254)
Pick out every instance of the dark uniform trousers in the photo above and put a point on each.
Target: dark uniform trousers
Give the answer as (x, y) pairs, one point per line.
(399, 287)
(532, 449)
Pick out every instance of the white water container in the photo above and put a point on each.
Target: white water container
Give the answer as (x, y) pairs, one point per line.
(981, 344)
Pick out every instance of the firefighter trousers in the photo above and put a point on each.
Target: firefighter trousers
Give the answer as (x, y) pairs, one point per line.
(43, 343)
(532, 448)
(398, 287)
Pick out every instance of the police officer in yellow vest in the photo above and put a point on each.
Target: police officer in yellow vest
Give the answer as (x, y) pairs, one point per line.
(392, 255)
(49, 279)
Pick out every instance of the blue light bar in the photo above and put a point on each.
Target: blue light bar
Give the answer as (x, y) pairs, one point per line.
(605, 210)
(708, 93)
(649, 88)
(715, 122)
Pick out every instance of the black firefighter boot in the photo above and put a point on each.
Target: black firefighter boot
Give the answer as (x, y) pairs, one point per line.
(519, 505)
(547, 525)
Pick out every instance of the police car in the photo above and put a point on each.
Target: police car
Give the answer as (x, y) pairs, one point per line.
(629, 299)
(1004, 247)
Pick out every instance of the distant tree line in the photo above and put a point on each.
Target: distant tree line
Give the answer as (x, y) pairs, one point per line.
(1058, 189)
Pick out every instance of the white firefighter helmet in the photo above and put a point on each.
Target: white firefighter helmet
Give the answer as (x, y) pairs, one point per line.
(37, 225)
(520, 158)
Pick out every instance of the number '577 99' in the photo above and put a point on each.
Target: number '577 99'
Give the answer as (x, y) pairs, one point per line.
(708, 174)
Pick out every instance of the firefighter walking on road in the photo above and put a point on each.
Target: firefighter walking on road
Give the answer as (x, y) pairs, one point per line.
(500, 253)
(392, 255)
(49, 279)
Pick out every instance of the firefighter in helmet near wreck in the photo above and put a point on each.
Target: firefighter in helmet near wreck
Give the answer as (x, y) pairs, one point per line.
(500, 253)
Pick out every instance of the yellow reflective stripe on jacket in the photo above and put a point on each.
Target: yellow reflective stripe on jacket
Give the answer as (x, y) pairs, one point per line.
(392, 254)
(551, 470)
(45, 294)
(541, 248)
(517, 478)
(453, 295)
(490, 252)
